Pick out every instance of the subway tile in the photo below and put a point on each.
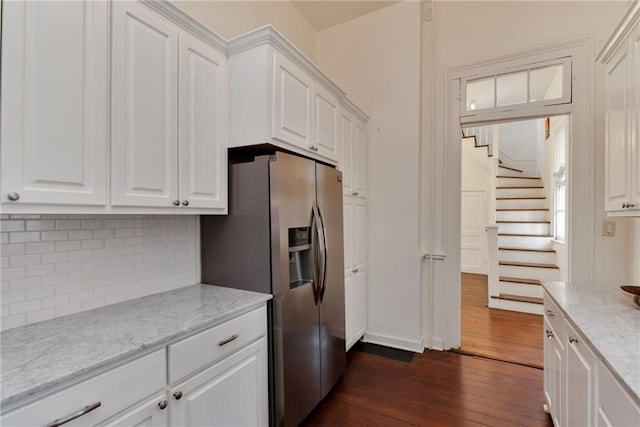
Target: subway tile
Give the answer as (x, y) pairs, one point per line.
(104, 234)
(11, 225)
(92, 224)
(67, 288)
(104, 253)
(41, 292)
(80, 275)
(25, 216)
(4, 238)
(125, 232)
(24, 236)
(81, 255)
(23, 260)
(66, 309)
(152, 222)
(40, 248)
(114, 223)
(114, 299)
(93, 244)
(13, 322)
(55, 279)
(80, 234)
(41, 315)
(68, 224)
(65, 267)
(54, 257)
(134, 241)
(40, 270)
(114, 243)
(73, 245)
(80, 295)
(24, 307)
(48, 236)
(40, 225)
(13, 297)
(167, 222)
(93, 303)
(133, 223)
(14, 249)
(126, 250)
(26, 283)
(56, 300)
(13, 273)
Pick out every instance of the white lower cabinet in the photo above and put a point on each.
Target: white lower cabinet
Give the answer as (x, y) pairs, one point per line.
(355, 217)
(232, 392)
(579, 389)
(226, 386)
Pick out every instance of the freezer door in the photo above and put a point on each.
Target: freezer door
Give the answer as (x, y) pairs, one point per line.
(296, 333)
(332, 337)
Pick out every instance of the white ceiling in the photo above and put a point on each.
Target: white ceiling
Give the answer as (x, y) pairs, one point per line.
(324, 14)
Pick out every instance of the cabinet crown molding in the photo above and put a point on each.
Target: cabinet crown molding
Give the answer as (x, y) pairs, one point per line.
(269, 35)
(184, 20)
(347, 104)
(619, 36)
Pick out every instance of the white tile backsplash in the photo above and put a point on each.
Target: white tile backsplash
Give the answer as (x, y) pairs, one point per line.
(54, 265)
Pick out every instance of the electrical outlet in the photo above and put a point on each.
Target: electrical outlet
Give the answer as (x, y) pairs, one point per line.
(608, 228)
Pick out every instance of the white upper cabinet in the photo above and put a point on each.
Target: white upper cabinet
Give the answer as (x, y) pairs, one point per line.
(54, 103)
(352, 150)
(145, 110)
(203, 138)
(360, 159)
(278, 97)
(165, 79)
(622, 116)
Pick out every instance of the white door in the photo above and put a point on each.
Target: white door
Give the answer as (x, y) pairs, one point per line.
(291, 103)
(359, 159)
(326, 123)
(233, 392)
(617, 188)
(144, 170)
(346, 152)
(54, 102)
(152, 413)
(473, 237)
(203, 144)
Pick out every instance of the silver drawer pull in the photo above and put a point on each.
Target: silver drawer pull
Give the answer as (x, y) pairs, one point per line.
(75, 415)
(228, 340)
(550, 313)
(572, 340)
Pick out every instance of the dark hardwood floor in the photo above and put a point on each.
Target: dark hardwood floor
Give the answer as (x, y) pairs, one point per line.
(435, 389)
(498, 334)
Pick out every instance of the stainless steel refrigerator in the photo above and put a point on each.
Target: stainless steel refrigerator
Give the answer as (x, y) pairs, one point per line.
(284, 236)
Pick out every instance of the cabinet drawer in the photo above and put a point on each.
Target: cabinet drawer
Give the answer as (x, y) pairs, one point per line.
(198, 351)
(554, 316)
(116, 390)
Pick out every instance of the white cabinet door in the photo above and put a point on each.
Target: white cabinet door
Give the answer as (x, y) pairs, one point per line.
(615, 406)
(548, 363)
(233, 392)
(359, 160)
(580, 380)
(326, 123)
(360, 234)
(348, 207)
(54, 102)
(144, 169)
(618, 137)
(291, 103)
(346, 152)
(359, 303)
(203, 148)
(152, 413)
(635, 121)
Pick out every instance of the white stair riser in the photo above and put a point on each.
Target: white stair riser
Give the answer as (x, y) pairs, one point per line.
(523, 307)
(528, 256)
(519, 182)
(521, 204)
(529, 272)
(508, 172)
(521, 289)
(522, 215)
(520, 192)
(524, 242)
(540, 229)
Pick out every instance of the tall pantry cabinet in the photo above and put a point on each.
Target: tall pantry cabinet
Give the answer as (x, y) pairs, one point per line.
(352, 162)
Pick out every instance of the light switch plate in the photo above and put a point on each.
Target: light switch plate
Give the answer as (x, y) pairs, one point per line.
(609, 228)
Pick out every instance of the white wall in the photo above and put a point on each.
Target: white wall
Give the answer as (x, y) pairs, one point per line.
(376, 60)
(235, 17)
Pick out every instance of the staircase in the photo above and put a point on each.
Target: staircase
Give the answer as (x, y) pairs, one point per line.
(525, 253)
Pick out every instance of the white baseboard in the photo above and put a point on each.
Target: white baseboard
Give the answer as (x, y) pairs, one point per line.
(402, 344)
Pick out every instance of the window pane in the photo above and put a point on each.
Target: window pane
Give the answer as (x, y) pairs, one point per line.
(480, 94)
(560, 227)
(545, 83)
(512, 88)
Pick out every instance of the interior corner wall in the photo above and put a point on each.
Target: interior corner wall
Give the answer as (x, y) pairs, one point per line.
(231, 18)
(376, 60)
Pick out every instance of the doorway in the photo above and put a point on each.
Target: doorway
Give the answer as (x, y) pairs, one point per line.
(513, 233)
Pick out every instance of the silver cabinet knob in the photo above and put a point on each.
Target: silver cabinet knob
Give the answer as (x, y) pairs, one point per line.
(572, 340)
(13, 196)
(549, 313)
(176, 203)
(162, 404)
(177, 395)
(185, 203)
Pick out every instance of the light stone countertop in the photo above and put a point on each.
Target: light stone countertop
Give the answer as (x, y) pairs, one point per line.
(611, 325)
(50, 355)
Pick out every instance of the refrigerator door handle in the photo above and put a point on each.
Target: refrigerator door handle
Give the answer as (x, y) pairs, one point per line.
(324, 254)
(315, 250)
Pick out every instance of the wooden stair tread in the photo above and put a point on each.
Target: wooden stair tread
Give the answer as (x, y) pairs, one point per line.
(520, 280)
(509, 248)
(519, 187)
(510, 168)
(521, 198)
(524, 235)
(528, 264)
(523, 222)
(521, 209)
(519, 298)
(517, 177)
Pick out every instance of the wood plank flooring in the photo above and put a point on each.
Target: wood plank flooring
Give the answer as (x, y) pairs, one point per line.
(435, 389)
(498, 334)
